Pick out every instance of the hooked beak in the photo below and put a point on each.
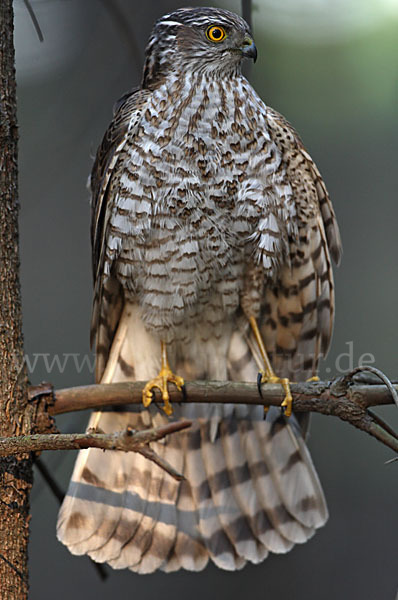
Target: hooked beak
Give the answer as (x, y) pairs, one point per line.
(249, 49)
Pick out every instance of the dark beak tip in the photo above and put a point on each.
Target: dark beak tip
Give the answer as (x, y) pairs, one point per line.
(250, 52)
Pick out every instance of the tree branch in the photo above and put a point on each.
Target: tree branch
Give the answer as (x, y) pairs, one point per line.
(127, 440)
(317, 396)
(340, 397)
(16, 472)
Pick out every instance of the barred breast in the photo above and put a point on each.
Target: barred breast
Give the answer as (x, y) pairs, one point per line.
(189, 205)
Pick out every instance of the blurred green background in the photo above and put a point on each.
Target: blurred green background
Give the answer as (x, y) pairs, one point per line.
(331, 69)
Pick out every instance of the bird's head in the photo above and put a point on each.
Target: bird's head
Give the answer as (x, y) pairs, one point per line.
(198, 39)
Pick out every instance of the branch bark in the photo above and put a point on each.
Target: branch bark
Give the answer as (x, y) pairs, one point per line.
(311, 396)
(127, 441)
(340, 398)
(15, 412)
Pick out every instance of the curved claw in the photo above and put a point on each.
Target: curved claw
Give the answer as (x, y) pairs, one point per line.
(286, 405)
(259, 382)
(262, 378)
(160, 382)
(268, 375)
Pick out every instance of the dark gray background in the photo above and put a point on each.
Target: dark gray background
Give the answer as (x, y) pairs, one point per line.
(331, 69)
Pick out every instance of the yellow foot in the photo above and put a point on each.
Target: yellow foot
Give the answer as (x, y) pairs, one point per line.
(268, 375)
(313, 378)
(160, 382)
(285, 383)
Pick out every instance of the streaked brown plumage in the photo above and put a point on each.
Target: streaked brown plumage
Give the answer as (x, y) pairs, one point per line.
(206, 211)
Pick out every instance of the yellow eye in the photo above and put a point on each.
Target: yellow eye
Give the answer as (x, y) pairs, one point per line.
(215, 33)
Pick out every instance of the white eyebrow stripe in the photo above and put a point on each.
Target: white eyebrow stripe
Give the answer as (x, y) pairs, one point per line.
(170, 23)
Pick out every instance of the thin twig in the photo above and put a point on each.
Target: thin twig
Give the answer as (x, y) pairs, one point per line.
(34, 20)
(158, 460)
(379, 374)
(379, 433)
(382, 424)
(14, 568)
(48, 478)
(59, 494)
(127, 441)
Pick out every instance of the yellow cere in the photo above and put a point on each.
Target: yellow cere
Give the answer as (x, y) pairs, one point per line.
(216, 33)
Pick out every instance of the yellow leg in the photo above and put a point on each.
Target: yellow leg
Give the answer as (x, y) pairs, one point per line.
(160, 382)
(268, 375)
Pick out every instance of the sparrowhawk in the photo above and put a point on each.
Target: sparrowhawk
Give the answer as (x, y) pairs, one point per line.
(212, 233)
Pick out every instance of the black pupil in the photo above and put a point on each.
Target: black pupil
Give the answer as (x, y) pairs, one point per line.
(217, 33)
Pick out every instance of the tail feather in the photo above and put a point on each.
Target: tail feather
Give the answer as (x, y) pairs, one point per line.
(217, 543)
(188, 550)
(84, 530)
(135, 536)
(279, 531)
(232, 520)
(259, 486)
(250, 485)
(242, 488)
(99, 492)
(293, 475)
(161, 526)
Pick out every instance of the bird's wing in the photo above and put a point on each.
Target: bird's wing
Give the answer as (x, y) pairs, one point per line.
(108, 295)
(297, 314)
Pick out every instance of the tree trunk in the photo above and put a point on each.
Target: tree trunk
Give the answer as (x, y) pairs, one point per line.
(15, 472)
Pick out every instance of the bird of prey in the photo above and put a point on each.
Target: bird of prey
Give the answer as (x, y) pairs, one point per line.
(212, 237)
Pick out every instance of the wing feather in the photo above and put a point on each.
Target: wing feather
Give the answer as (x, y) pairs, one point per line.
(298, 308)
(108, 293)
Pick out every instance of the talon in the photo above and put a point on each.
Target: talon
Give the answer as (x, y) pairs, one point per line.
(147, 394)
(262, 378)
(168, 409)
(286, 405)
(313, 378)
(268, 375)
(288, 401)
(259, 382)
(160, 382)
